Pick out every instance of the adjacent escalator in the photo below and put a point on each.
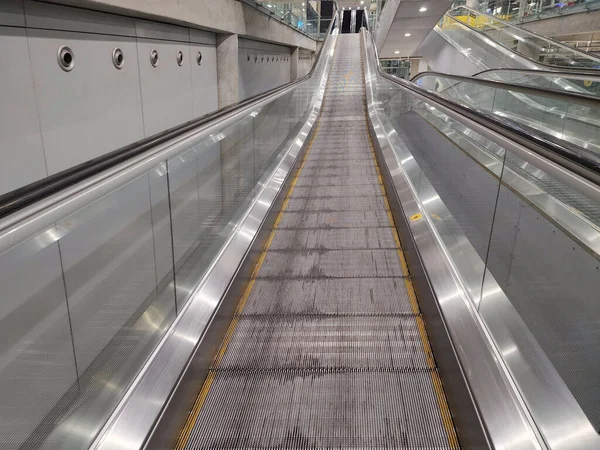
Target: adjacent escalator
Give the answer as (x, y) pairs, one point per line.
(478, 42)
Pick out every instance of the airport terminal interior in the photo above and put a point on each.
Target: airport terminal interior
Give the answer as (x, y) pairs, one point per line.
(268, 224)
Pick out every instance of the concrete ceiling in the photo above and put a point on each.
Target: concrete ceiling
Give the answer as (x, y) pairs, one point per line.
(353, 4)
(407, 19)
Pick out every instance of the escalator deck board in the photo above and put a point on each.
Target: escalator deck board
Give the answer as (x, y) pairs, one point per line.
(327, 348)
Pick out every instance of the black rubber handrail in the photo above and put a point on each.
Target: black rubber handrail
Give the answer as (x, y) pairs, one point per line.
(18, 199)
(566, 96)
(573, 73)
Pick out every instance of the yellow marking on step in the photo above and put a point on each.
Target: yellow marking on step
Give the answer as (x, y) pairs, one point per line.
(435, 377)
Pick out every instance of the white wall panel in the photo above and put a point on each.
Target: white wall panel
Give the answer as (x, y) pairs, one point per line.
(267, 68)
(305, 63)
(165, 88)
(204, 79)
(161, 31)
(92, 110)
(20, 138)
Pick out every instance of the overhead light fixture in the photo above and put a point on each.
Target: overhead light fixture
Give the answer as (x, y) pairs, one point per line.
(422, 9)
(397, 52)
(407, 34)
(362, 2)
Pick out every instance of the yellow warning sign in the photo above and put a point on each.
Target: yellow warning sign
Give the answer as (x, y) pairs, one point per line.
(587, 83)
(435, 216)
(415, 217)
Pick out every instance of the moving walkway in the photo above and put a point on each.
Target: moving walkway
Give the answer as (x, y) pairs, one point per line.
(330, 264)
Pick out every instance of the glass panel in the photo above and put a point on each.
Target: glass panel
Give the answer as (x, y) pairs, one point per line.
(37, 366)
(520, 12)
(455, 173)
(544, 254)
(209, 184)
(580, 84)
(117, 267)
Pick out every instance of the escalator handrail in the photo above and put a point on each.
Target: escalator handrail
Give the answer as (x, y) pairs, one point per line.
(520, 140)
(538, 63)
(593, 75)
(566, 96)
(544, 38)
(38, 191)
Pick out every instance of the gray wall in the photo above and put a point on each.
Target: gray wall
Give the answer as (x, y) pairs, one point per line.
(221, 16)
(51, 120)
(262, 67)
(567, 24)
(305, 62)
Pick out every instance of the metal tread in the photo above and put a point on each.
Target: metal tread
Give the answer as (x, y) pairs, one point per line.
(324, 409)
(327, 350)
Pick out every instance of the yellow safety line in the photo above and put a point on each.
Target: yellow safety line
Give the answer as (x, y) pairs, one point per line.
(437, 382)
(195, 412)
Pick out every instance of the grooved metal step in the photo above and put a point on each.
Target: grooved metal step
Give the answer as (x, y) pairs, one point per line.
(328, 349)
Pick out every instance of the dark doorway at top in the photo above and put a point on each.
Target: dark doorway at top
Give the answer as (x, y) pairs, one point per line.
(359, 19)
(346, 22)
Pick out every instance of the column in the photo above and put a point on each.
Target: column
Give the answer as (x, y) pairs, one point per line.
(414, 67)
(227, 69)
(294, 63)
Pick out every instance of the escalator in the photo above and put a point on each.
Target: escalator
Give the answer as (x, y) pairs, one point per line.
(348, 261)
(327, 347)
(466, 41)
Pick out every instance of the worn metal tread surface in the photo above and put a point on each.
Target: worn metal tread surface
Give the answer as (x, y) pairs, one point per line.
(327, 348)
